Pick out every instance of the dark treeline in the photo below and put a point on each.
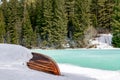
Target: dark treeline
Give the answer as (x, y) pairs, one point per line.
(56, 23)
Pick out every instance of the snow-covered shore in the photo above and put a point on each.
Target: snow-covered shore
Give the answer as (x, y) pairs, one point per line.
(13, 60)
(69, 72)
(91, 74)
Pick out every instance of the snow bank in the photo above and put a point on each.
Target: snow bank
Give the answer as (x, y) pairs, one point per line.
(14, 55)
(93, 74)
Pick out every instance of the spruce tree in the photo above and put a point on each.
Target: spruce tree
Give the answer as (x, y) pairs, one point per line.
(69, 5)
(116, 24)
(31, 7)
(27, 31)
(43, 11)
(4, 7)
(102, 14)
(32, 13)
(94, 13)
(2, 26)
(78, 22)
(58, 24)
(51, 22)
(109, 5)
(12, 19)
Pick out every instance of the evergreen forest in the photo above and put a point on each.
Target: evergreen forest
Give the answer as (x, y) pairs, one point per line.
(56, 23)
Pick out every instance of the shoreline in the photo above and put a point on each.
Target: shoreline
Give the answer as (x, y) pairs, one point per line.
(95, 74)
(101, 48)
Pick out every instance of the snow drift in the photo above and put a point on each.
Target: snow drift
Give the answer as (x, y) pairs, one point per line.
(14, 54)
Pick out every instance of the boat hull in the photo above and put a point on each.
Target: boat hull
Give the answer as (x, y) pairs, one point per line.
(43, 63)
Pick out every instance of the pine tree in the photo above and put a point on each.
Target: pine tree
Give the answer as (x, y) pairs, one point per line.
(58, 24)
(51, 22)
(69, 5)
(2, 27)
(43, 11)
(4, 7)
(116, 24)
(12, 22)
(32, 12)
(27, 31)
(94, 13)
(31, 7)
(109, 5)
(101, 14)
(81, 21)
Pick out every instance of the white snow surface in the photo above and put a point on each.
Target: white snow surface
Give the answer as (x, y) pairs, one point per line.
(12, 67)
(14, 54)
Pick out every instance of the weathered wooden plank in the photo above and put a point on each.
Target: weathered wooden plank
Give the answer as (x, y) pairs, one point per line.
(39, 65)
(36, 67)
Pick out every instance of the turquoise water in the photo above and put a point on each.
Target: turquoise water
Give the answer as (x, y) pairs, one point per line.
(98, 59)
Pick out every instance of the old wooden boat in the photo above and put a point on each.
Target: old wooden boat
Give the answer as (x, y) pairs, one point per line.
(43, 63)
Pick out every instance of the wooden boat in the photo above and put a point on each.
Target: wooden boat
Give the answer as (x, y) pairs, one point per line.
(43, 63)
